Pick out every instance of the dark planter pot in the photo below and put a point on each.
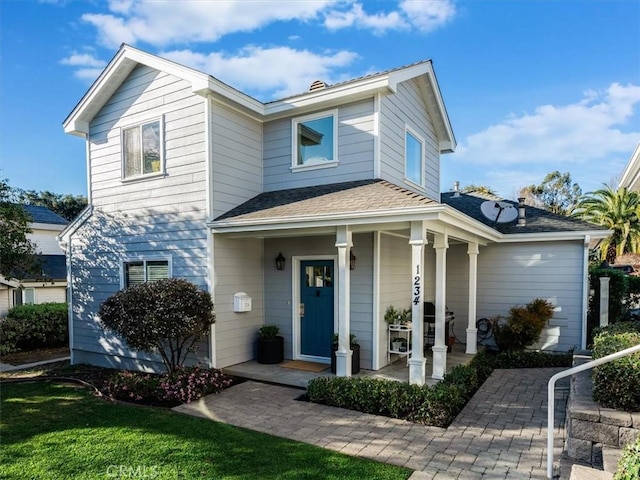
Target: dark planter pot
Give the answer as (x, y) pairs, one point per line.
(270, 350)
(355, 359)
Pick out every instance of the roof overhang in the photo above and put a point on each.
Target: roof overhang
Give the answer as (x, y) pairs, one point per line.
(64, 236)
(440, 219)
(123, 63)
(631, 176)
(128, 58)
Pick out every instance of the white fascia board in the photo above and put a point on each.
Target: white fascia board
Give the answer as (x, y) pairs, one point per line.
(56, 227)
(555, 236)
(471, 225)
(327, 97)
(359, 218)
(64, 236)
(631, 176)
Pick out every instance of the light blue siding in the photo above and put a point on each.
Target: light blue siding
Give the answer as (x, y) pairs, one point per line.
(355, 151)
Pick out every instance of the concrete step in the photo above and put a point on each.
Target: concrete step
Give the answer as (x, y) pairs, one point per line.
(610, 458)
(580, 472)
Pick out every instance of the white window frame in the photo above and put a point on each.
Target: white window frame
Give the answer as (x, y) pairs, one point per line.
(144, 260)
(294, 141)
(410, 131)
(141, 176)
(22, 296)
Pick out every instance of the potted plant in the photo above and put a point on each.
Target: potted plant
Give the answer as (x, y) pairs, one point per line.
(355, 358)
(397, 317)
(270, 345)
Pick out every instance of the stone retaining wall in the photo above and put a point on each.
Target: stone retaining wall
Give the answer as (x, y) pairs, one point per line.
(589, 426)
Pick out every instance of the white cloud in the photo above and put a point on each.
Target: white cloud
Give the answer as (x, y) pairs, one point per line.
(88, 67)
(427, 15)
(421, 15)
(591, 129)
(278, 71)
(379, 22)
(167, 23)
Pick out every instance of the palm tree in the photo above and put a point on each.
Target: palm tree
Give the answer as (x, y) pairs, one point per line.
(617, 210)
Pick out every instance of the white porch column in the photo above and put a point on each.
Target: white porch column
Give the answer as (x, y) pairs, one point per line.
(472, 331)
(440, 244)
(417, 361)
(344, 353)
(604, 301)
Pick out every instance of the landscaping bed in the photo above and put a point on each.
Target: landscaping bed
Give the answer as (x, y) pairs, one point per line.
(437, 405)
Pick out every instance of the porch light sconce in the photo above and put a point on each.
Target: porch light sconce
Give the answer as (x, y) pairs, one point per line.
(280, 261)
(352, 260)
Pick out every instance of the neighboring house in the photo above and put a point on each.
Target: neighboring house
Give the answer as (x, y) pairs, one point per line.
(50, 285)
(631, 176)
(191, 178)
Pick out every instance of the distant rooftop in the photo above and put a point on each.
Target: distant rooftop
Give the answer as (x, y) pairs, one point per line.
(44, 215)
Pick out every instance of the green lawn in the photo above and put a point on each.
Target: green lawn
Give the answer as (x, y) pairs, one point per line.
(52, 431)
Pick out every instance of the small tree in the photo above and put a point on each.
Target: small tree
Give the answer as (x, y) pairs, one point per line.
(166, 317)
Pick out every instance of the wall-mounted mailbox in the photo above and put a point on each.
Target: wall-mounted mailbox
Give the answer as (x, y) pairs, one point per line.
(241, 302)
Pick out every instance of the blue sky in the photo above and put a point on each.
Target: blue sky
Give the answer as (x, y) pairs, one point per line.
(530, 86)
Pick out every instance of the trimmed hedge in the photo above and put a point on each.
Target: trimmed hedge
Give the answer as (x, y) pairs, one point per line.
(437, 405)
(629, 463)
(28, 327)
(617, 384)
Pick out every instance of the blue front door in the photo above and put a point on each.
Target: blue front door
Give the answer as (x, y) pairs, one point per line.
(316, 313)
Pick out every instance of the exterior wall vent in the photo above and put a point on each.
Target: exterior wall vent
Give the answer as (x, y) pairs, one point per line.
(317, 85)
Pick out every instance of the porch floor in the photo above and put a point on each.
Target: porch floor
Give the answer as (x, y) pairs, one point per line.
(397, 370)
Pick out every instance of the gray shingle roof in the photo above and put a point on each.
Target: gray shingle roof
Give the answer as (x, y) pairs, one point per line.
(538, 220)
(44, 215)
(337, 198)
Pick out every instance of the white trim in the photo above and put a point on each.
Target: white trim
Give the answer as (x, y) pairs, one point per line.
(375, 338)
(410, 131)
(585, 291)
(296, 260)
(87, 147)
(630, 177)
(142, 175)
(70, 305)
(377, 107)
(145, 259)
(64, 237)
(295, 166)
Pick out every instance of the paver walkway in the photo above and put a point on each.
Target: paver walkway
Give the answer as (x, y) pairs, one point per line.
(500, 434)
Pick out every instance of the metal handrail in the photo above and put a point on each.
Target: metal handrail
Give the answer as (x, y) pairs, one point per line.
(551, 395)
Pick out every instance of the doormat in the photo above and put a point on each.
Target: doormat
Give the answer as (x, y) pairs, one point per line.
(306, 366)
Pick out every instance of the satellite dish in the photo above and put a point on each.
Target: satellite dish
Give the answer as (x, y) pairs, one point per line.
(499, 212)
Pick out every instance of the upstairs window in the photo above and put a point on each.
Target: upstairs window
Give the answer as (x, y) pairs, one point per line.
(314, 141)
(141, 150)
(142, 271)
(414, 158)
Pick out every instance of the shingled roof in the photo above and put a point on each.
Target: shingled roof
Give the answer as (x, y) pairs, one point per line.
(44, 215)
(337, 198)
(538, 219)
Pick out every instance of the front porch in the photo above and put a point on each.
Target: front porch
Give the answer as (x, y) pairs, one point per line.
(398, 370)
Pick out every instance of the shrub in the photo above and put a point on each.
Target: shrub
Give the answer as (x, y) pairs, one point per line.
(28, 327)
(438, 405)
(186, 384)
(166, 317)
(133, 387)
(523, 326)
(617, 384)
(183, 385)
(629, 463)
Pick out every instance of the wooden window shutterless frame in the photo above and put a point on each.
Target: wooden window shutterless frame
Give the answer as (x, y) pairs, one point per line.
(142, 150)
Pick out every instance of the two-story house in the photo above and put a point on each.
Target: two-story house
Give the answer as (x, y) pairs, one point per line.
(50, 284)
(191, 178)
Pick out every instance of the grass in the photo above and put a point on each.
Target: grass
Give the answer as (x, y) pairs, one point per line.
(55, 431)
